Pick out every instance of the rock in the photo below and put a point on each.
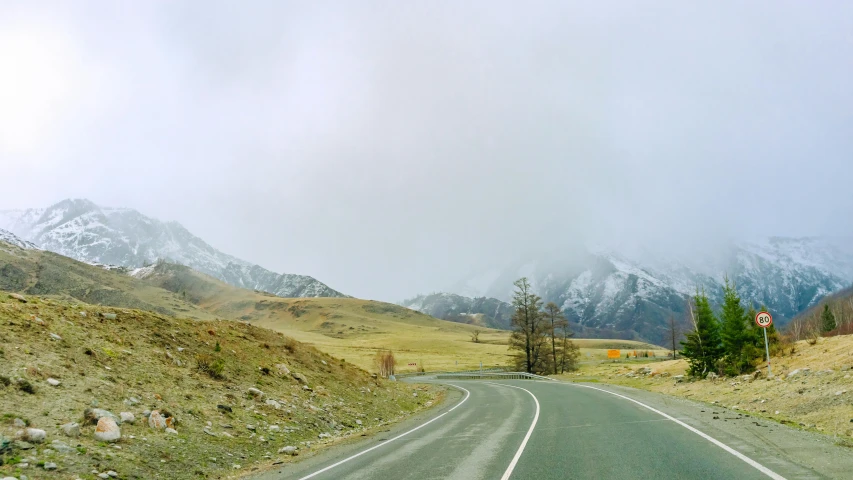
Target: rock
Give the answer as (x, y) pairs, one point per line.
(250, 427)
(146, 413)
(107, 430)
(712, 376)
(156, 420)
(171, 431)
(299, 377)
(17, 297)
(664, 374)
(82, 314)
(306, 387)
(273, 404)
(49, 466)
(841, 392)
(288, 450)
(358, 422)
(112, 474)
(274, 428)
(71, 429)
(282, 369)
(93, 415)
(32, 435)
(55, 337)
(109, 316)
(38, 321)
(323, 362)
(224, 408)
(19, 423)
(324, 435)
(131, 401)
(53, 382)
(255, 392)
(799, 371)
(127, 417)
(103, 475)
(61, 446)
(22, 445)
(747, 378)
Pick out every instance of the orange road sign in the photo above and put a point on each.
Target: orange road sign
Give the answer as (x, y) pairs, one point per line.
(614, 354)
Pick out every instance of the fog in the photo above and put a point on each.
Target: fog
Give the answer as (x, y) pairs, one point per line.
(389, 148)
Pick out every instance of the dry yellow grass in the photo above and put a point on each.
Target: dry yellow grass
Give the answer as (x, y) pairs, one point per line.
(821, 399)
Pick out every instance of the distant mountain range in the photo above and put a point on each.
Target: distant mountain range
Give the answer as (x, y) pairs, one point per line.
(79, 229)
(607, 294)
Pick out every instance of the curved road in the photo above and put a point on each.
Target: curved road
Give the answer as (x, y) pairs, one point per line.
(523, 429)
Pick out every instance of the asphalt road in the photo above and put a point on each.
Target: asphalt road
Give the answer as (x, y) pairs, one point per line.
(546, 430)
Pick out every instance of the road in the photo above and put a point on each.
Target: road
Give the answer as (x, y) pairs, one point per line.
(522, 429)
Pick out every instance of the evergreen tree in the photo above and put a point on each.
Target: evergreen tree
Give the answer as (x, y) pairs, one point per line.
(733, 330)
(528, 328)
(827, 319)
(702, 347)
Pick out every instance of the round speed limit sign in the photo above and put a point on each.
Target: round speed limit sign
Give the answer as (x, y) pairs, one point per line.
(763, 319)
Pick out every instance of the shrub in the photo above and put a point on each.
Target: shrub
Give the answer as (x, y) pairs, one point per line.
(5, 381)
(26, 386)
(215, 367)
(218, 347)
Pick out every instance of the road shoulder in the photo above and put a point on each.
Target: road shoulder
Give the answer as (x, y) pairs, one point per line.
(791, 452)
(313, 459)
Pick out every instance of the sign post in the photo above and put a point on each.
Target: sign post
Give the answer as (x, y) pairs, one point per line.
(764, 320)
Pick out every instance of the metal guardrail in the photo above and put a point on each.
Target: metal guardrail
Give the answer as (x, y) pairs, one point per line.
(492, 375)
(421, 374)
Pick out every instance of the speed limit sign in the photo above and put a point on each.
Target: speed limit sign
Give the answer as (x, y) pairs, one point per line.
(763, 319)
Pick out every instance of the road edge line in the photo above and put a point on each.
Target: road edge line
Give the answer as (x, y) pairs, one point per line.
(520, 450)
(318, 472)
(761, 468)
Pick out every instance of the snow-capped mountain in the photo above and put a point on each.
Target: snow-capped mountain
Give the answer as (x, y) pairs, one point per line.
(12, 239)
(604, 293)
(483, 311)
(121, 236)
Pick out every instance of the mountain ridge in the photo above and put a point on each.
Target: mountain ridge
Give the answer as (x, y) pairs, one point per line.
(80, 229)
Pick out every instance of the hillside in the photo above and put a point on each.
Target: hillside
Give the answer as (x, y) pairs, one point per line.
(613, 295)
(61, 358)
(79, 229)
(349, 328)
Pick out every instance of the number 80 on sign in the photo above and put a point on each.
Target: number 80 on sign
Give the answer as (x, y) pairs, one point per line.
(763, 319)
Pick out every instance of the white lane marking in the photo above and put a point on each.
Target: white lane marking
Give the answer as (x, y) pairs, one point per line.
(318, 472)
(514, 461)
(761, 468)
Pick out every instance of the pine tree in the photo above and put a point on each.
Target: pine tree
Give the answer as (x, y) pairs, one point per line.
(555, 322)
(702, 346)
(827, 319)
(528, 328)
(733, 330)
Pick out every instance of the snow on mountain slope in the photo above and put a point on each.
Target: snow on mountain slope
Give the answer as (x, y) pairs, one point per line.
(608, 294)
(79, 229)
(486, 312)
(12, 239)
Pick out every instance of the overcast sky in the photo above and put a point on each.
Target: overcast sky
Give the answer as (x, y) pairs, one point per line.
(388, 148)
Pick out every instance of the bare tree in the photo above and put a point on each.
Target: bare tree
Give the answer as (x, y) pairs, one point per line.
(674, 332)
(475, 336)
(385, 363)
(555, 320)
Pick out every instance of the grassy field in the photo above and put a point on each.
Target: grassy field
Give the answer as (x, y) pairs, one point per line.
(132, 360)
